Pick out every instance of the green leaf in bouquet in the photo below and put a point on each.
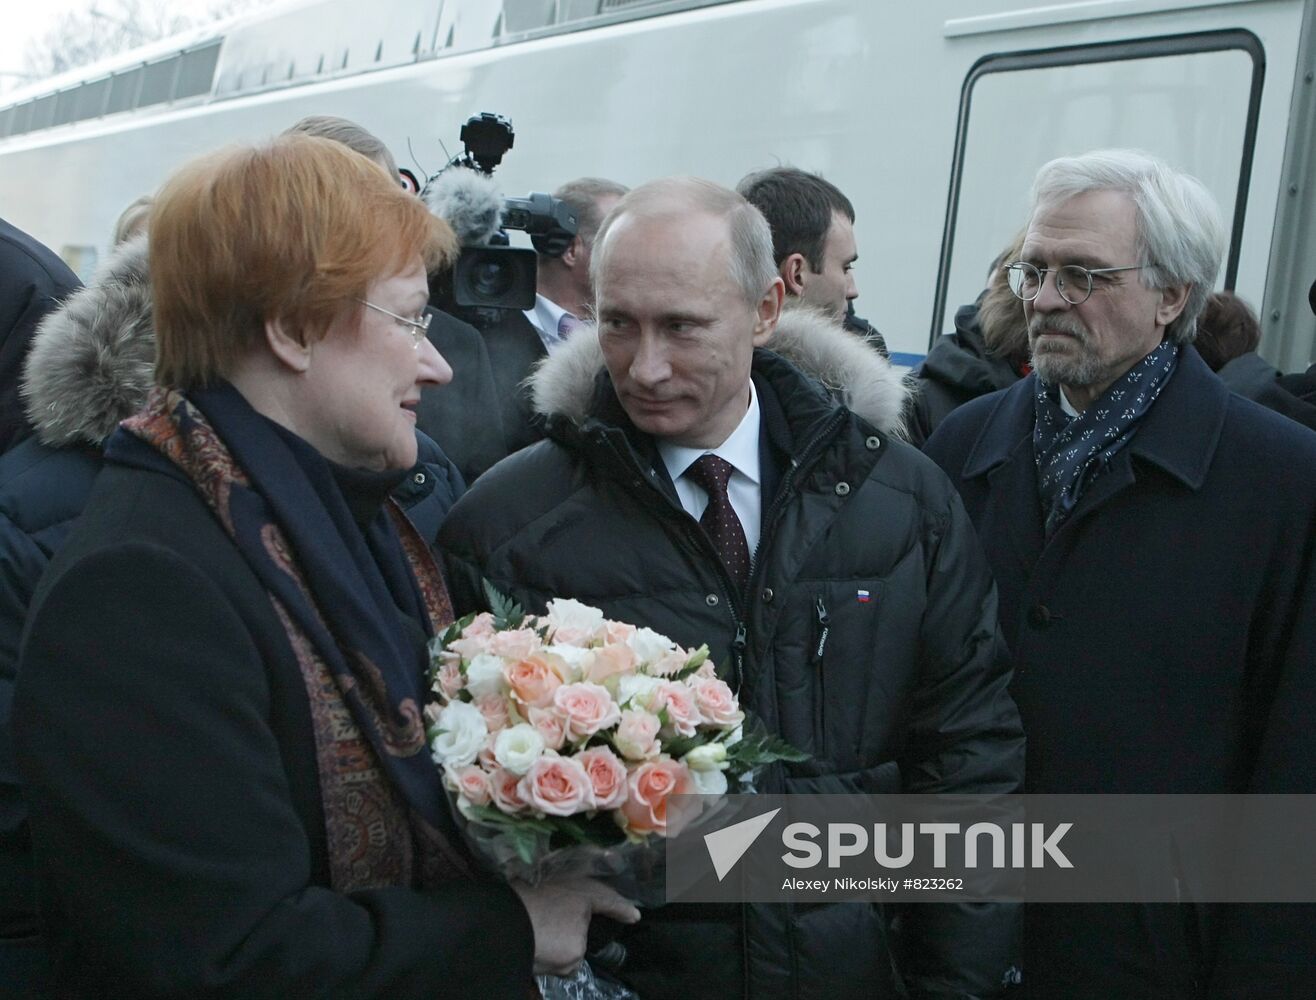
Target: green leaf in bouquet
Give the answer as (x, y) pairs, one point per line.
(762, 748)
(682, 745)
(490, 816)
(450, 634)
(696, 661)
(507, 613)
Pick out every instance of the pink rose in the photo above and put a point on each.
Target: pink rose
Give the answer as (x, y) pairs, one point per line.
(469, 647)
(717, 704)
(557, 786)
(617, 632)
(566, 635)
(649, 787)
(533, 681)
(472, 784)
(504, 787)
(587, 707)
(637, 735)
(482, 625)
(607, 775)
(485, 758)
(679, 701)
(609, 661)
(450, 680)
(514, 644)
(494, 709)
(706, 670)
(552, 725)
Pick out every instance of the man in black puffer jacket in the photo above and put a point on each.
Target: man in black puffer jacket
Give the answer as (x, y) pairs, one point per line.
(861, 630)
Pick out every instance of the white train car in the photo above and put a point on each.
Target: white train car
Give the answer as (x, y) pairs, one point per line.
(932, 116)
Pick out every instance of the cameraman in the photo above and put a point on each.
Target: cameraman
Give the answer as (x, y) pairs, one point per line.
(520, 339)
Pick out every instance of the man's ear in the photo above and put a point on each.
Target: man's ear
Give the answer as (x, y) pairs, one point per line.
(574, 253)
(768, 312)
(289, 349)
(792, 271)
(1173, 299)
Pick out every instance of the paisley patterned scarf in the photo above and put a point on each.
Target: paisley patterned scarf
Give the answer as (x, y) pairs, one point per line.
(338, 591)
(1072, 453)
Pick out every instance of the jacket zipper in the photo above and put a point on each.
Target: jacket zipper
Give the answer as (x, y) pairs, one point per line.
(823, 630)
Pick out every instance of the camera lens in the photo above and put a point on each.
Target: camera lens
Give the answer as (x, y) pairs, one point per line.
(491, 279)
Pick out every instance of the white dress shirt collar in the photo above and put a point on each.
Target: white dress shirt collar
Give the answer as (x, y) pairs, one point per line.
(544, 317)
(741, 450)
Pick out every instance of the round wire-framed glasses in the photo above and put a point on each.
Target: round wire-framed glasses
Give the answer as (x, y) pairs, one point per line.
(1073, 282)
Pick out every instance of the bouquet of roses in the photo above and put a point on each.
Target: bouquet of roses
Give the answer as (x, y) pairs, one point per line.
(563, 737)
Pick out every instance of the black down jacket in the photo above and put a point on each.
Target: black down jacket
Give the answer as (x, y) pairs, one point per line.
(910, 693)
(957, 369)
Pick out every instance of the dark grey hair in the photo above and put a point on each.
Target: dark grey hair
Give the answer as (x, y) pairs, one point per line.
(1180, 237)
(349, 134)
(583, 195)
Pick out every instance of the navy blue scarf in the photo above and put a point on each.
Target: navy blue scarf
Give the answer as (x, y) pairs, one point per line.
(1072, 453)
(339, 587)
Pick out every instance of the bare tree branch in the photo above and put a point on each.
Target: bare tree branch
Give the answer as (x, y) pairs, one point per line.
(109, 27)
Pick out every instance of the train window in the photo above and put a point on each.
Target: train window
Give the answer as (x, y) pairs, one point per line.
(158, 82)
(1191, 99)
(43, 113)
(196, 71)
(527, 15)
(123, 90)
(22, 119)
(65, 104)
(91, 99)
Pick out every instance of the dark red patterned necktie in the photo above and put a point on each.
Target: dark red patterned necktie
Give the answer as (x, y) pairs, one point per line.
(719, 520)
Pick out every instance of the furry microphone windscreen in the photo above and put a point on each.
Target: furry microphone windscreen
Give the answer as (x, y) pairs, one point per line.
(468, 201)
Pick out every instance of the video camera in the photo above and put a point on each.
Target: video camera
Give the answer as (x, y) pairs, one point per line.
(489, 273)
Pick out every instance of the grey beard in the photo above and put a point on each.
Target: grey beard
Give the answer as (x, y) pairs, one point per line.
(1057, 369)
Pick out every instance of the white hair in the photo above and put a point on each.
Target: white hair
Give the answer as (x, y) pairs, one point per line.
(1180, 236)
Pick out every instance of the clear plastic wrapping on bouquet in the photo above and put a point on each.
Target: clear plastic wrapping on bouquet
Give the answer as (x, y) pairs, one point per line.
(635, 869)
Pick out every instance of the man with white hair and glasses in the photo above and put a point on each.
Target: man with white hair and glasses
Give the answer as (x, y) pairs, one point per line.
(1153, 541)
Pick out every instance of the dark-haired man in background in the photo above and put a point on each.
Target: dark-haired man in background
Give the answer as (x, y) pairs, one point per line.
(813, 242)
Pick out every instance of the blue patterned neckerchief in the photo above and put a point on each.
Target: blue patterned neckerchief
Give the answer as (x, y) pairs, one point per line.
(1072, 453)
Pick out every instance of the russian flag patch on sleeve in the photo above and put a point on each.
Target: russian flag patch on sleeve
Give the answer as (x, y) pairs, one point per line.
(863, 596)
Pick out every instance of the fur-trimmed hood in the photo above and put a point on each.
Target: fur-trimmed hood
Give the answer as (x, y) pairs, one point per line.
(92, 361)
(859, 377)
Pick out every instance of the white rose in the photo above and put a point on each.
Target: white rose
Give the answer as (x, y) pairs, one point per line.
(648, 646)
(484, 675)
(708, 757)
(709, 782)
(463, 734)
(518, 747)
(565, 613)
(576, 657)
(636, 687)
